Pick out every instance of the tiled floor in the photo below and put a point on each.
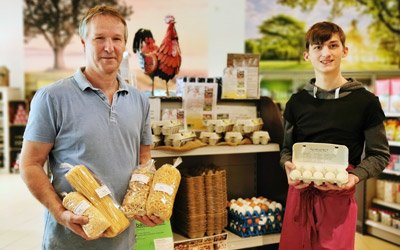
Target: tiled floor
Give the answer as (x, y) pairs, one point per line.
(21, 222)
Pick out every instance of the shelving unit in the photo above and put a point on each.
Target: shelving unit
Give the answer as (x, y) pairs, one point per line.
(252, 170)
(236, 242)
(7, 95)
(375, 228)
(229, 154)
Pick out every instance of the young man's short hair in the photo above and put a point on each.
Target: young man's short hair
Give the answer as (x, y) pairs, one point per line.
(322, 32)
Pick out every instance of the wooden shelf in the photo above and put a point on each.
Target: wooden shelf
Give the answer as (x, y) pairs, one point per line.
(391, 172)
(392, 114)
(237, 242)
(218, 150)
(394, 143)
(386, 204)
(382, 231)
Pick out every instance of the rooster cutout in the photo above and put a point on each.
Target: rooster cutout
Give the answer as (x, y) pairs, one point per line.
(164, 61)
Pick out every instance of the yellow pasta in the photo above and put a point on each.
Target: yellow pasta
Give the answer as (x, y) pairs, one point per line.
(139, 187)
(78, 204)
(163, 191)
(83, 181)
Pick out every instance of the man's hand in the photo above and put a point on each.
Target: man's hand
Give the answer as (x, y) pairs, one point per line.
(289, 166)
(74, 223)
(150, 221)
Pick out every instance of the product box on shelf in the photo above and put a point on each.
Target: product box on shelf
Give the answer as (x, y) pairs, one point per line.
(254, 218)
(320, 162)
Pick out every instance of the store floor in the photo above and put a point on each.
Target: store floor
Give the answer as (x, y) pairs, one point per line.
(21, 223)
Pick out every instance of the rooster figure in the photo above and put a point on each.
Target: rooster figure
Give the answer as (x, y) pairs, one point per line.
(164, 61)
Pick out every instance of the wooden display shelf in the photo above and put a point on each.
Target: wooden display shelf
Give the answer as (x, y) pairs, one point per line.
(394, 143)
(382, 231)
(391, 172)
(386, 204)
(237, 242)
(218, 150)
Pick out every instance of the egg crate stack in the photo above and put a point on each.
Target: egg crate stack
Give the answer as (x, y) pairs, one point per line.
(258, 221)
(190, 207)
(216, 197)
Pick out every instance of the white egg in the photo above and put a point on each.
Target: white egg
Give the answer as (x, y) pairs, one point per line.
(295, 174)
(330, 176)
(342, 177)
(279, 206)
(257, 208)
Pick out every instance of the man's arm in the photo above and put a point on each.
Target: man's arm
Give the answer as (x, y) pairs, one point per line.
(145, 154)
(33, 158)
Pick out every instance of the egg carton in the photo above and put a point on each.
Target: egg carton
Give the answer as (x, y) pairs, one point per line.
(260, 137)
(156, 141)
(246, 126)
(210, 138)
(233, 137)
(179, 139)
(256, 223)
(219, 125)
(166, 127)
(319, 163)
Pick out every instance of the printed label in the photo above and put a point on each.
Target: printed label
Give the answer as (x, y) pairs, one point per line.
(140, 178)
(164, 188)
(81, 208)
(103, 191)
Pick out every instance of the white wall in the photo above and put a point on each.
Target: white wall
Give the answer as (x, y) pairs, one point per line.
(226, 20)
(11, 40)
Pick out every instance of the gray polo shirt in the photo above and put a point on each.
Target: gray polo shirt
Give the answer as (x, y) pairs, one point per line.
(86, 129)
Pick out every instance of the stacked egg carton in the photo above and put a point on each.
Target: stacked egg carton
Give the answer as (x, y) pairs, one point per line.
(216, 197)
(190, 207)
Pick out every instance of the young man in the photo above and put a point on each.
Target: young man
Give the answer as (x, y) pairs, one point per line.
(92, 118)
(330, 109)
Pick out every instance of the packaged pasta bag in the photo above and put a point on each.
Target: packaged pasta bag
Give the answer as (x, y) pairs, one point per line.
(163, 191)
(79, 205)
(139, 187)
(83, 181)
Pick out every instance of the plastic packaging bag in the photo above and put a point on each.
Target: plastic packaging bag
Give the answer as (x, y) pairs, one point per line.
(163, 191)
(139, 188)
(79, 205)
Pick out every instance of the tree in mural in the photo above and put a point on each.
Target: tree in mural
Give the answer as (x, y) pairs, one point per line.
(385, 26)
(282, 38)
(58, 21)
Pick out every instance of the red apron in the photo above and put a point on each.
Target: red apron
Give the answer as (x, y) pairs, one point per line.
(316, 220)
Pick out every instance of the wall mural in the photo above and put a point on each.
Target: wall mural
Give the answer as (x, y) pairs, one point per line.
(275, 29)
(53, 49)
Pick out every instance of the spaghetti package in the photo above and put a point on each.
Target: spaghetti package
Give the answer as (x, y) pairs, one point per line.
(83, 181)
(139, 187)
(79, 205)
(163, 191)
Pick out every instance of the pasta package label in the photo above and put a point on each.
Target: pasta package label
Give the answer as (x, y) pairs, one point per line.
(103, 191)
(81, 207)
(140, 178)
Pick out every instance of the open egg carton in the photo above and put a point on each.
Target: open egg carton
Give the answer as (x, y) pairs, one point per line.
(258, 216)
(246, 126)
(210, 138)
(260, 137)
(319, 163)
(219, 125)
(179, 139)
(166, 127)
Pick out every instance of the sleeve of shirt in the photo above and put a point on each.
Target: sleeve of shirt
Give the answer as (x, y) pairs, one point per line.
(376, 153)
(375, 114)
(288, 141)
(41, 125)
(146, 138)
